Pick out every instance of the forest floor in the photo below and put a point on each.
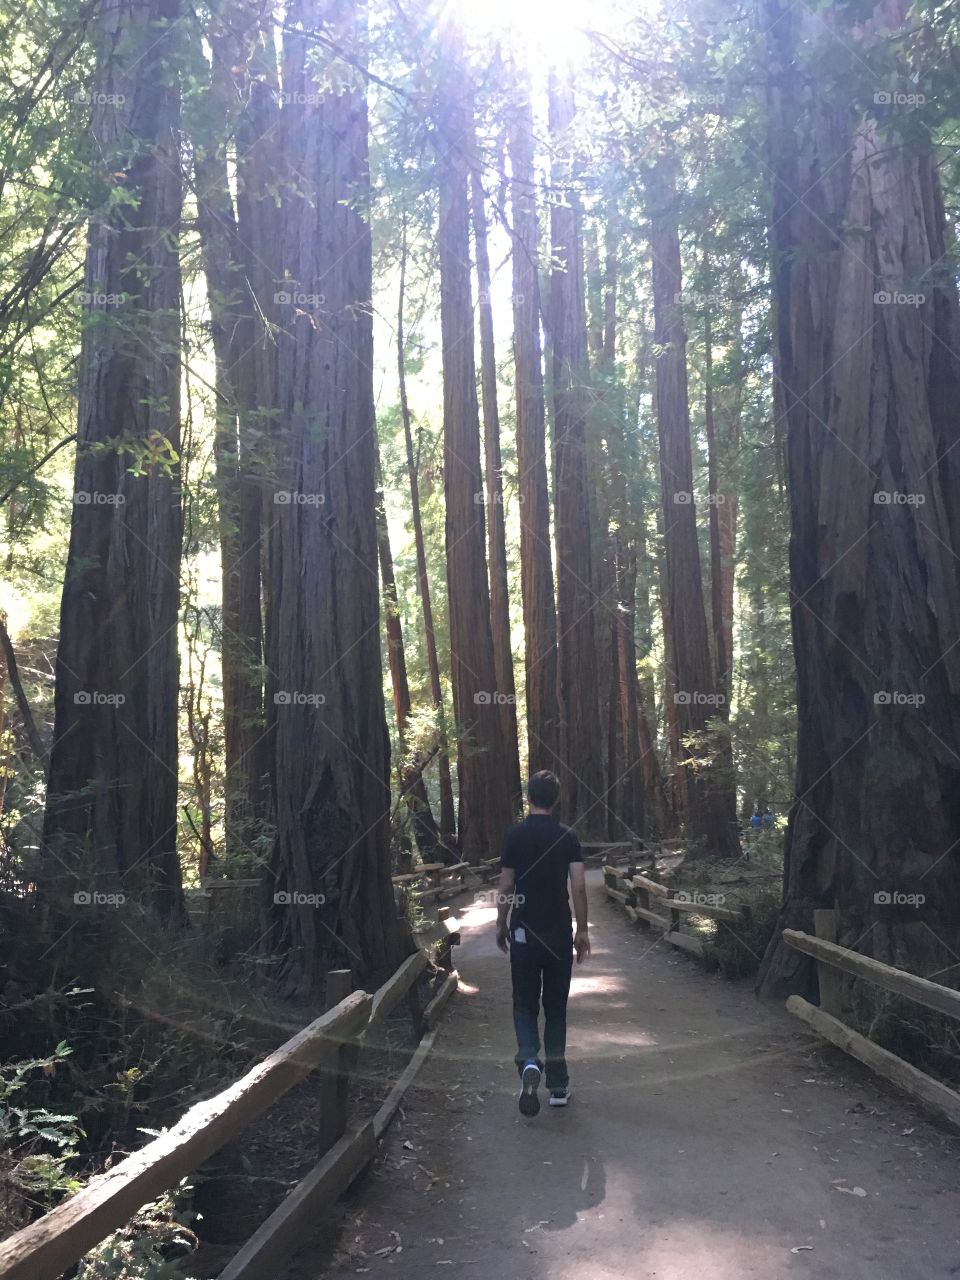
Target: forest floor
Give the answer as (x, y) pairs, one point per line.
(709, 1137)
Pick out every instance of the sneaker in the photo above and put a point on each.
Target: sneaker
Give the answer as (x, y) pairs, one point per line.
(560, 1097)
(529, 1084)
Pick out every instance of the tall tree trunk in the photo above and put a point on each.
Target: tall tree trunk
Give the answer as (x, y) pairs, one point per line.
(582, 748)
(632, 784)
(112, 787)
(448, 817)
(676, 785)
(409, 772)
(496, 528)
(536, 566)
(485, 786)
(869, 379)
(710, 802)
(721, 566)
(333, 901)
(232, 263)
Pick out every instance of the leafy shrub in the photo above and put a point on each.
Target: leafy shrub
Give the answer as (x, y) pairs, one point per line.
(736, 950)
(147, 1248)
(36, 1145)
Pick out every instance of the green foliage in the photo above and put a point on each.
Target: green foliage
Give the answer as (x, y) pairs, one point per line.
(928, 1039)
(736, 950)
(37, 1145)
(152, 1246)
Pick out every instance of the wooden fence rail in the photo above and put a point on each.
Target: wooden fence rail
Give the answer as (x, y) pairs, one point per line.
(331, 1043)
(649, 903)
(826, 1021)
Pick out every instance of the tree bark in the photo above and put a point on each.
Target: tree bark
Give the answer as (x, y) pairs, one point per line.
(631, 807)
(536, 562)
(410, 772)
(239, 300)
(867, 333)
(496, 528)
(710, 809)
(112, 787)
(582, 748)
(332, 898)
(448, 817)
(485, 788)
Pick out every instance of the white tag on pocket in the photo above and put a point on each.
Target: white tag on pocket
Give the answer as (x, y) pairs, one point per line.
(519, 935)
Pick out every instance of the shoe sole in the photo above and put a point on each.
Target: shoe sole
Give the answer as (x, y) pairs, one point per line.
(529, 1098)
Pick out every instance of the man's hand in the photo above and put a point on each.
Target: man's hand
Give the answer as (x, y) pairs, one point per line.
(505, 887)
(581, 940)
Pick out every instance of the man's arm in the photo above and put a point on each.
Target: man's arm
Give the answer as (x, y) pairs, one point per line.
(578, 884)
(508, 878)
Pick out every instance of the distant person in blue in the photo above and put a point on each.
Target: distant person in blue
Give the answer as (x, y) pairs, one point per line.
(756, 821)
(767, 819)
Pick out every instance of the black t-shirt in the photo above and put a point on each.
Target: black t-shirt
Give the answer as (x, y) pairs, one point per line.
(540, 850)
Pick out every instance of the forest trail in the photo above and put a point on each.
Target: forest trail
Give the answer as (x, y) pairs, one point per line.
(708, 1137)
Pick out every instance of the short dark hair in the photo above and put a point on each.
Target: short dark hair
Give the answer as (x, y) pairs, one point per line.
(543, 789)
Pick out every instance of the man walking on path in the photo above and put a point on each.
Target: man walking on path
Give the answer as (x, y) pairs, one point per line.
(539, 854)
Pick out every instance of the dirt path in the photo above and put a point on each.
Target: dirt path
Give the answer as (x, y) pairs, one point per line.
(708, 1138)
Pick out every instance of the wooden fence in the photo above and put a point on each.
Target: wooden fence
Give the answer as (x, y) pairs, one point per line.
(650, 904)
(330, 1044)
(833, 963)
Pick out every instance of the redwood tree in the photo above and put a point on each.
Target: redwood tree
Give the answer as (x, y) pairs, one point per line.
(496, 524)
(412, 787)
(867, 374)
(485, 788)
(536, 562)
(112, 787)
(710, 809)
(238, 242)
(581, 744)
(448, 816)
(332, 901)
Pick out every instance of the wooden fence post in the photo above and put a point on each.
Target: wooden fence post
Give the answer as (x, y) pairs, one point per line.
(335, 1080)
(445, 958)
(674, 914)
(829, 980)
(643, 901)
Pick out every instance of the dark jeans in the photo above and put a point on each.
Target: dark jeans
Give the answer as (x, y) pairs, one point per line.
(540, 969)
